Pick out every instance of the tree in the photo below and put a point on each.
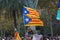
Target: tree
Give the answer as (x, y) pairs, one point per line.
(48, 7)
(6, 15)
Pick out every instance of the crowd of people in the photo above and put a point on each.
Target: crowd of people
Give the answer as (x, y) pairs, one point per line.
(29, 35)
(32, 35)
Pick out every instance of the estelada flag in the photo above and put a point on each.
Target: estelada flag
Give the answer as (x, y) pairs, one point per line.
(31, 13)
(17, 36)
(58, 12)
(31, 17)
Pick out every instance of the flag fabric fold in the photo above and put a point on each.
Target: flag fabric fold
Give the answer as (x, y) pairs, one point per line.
(58, 15)
(17, 36)
(31, 17)
(58, 12)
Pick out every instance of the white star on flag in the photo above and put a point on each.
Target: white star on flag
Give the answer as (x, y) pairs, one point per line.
(27, 19)
(25, 11)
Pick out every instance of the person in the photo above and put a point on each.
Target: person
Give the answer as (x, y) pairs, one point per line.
(57, 37)
(16, 35)
(28, 34)
(30, 31)
(27, 37)
(3, 37)
(9, 36)
(41, 37)
(47, 39)
(36, 36)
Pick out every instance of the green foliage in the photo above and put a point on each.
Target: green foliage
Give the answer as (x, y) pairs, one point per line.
(6, 16)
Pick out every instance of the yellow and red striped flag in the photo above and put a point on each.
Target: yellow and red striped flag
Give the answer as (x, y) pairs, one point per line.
(32, 13)
(17, 36)
(35, 22)
(31, 17)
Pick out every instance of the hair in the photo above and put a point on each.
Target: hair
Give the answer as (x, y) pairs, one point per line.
(34, 32)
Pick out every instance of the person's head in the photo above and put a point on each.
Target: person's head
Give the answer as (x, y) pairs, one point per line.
(15, 29)
(28, 29)
(34, 32)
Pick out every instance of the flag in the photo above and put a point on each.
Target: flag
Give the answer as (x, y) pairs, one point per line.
(58, 15)
(58, 12)
(31, 17)
(32, 13)
(58, 4)
(16, 36)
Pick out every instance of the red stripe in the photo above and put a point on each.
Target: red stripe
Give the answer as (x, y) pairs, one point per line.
(35, 21)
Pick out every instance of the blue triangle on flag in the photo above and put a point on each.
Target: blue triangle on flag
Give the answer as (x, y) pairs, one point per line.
(24, 11)
(59, 4)
(26, 20)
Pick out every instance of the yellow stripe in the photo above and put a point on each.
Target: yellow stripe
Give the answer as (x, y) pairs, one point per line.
(34, 24)
(32, 16)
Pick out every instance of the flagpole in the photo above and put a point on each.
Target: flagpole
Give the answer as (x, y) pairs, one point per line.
(14, 16)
